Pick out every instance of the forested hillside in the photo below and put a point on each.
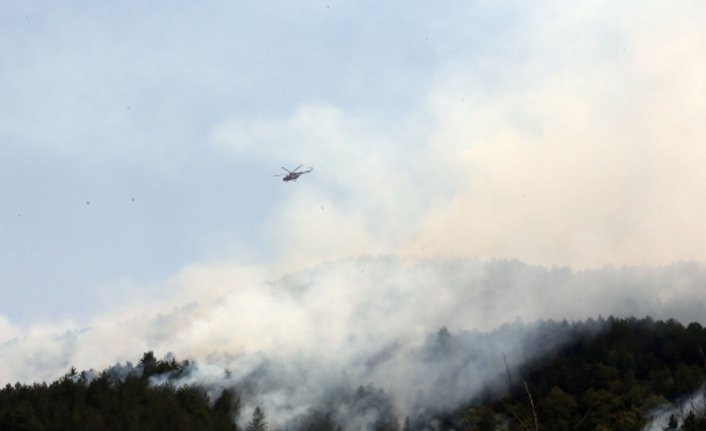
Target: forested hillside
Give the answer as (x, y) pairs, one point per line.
(120, 398)
(616, 379)
(611, 374)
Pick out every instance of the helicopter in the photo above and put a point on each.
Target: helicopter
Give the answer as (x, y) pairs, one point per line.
(293, 174)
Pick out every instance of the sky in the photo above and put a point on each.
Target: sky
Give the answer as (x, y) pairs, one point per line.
(139, 143)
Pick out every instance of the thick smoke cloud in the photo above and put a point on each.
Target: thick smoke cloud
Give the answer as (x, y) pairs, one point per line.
(290, 343)
(579, 144)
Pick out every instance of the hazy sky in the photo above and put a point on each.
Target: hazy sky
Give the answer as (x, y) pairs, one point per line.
(138, 141)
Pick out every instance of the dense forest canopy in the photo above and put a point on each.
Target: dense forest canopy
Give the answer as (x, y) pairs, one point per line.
(611, 374)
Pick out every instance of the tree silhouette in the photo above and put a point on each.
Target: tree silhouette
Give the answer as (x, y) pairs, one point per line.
(257, 423)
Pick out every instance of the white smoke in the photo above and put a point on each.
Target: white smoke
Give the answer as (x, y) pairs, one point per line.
(695, 403)
(580, 145)
(288, 344)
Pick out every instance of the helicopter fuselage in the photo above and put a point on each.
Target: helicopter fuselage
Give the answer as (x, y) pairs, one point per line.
(294, 174)
(291, 176)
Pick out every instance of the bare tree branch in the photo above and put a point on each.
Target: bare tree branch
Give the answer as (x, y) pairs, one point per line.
(534, 412)
(598, 401)
(509, 377)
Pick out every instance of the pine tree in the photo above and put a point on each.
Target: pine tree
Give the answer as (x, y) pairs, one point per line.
(673, 423)
(689, 422)
(257, 423)
(227, 406)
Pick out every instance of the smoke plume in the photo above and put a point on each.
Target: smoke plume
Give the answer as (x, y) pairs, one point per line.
(372, 339)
